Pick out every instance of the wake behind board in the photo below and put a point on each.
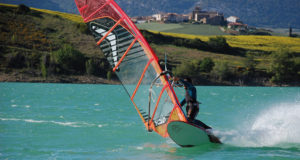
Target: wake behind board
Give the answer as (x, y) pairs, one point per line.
(188, 135)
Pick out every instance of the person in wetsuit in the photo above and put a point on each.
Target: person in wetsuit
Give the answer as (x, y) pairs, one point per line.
(192, 105)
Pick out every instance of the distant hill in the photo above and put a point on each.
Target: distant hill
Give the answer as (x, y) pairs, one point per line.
(274, 13)
(267, 13)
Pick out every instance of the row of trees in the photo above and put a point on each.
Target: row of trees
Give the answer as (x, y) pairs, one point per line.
(284, 69)
(214, 44)
(65, 61)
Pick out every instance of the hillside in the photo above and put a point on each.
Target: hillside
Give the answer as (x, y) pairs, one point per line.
(261, 13)
(30, 39)
(46, 46)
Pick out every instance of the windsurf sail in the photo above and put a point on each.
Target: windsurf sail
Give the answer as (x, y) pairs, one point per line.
(134, 62)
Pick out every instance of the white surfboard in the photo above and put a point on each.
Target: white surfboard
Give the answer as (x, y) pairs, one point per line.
(188, 135)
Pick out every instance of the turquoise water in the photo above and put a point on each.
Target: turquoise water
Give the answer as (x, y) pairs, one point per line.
(71, 121)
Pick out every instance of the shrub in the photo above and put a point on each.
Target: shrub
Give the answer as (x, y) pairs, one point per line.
(218, 43)
(89, 66)
(16, 60)
(250, 62)
(195, 43)
(44, 70)
(109, 75)
(95, 67)
(206, 65)
(34, 59)
(194, 68)
(22, 9)
(83, 28)
(69, 60)
(185, 69)
(283, 67)
(221, 71)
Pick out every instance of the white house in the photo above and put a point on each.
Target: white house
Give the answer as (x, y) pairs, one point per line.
(233, 19)
(157, 17)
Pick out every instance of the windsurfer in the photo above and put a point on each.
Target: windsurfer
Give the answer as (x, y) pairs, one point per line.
(192, 107)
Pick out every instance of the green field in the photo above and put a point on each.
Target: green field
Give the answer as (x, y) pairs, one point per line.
(195, 29)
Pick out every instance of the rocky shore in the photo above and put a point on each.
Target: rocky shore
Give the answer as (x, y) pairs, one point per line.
(77, 79)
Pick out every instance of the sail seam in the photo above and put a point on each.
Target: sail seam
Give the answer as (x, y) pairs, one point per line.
(158, 100)
(128, 49)
(142, 76)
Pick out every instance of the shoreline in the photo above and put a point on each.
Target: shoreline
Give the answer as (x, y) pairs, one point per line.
(76, 79)
(88, 79)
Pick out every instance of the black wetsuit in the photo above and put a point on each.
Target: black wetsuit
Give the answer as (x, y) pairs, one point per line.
(192, 107)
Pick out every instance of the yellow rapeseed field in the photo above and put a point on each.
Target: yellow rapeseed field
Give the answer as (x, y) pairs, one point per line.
(265, 43)
(72, 17)
(251, 42)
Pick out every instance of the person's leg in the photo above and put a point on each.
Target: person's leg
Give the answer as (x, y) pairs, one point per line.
(188, 110)
(200, 123)
(194, 111)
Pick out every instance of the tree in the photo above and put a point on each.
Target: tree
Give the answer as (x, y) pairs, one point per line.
(221, 70)
(283, 66)
(109, 75)
(185, 69)
(69, 60)
(218, 43)
(16, 60)
(22, 9)
(250, 64)
(44, 71)
(95, 67)
(206, 65)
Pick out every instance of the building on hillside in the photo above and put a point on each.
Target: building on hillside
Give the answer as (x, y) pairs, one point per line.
(205, 17)
(216, 20)
(233, 19)
(157, 17)
(175, 18)
(186, 17)
(237, 26)
(171, 17)
(142, 19)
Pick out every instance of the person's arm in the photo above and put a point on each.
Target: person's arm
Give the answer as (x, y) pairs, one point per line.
(186, 84)
(176, 79)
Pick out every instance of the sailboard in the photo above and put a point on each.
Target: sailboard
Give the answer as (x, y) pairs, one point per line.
(189, 135)
(134, 62)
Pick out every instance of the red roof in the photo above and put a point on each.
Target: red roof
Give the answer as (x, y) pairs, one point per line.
(236, 24)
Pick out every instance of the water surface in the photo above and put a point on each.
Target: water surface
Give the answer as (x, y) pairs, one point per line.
(72, 121)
